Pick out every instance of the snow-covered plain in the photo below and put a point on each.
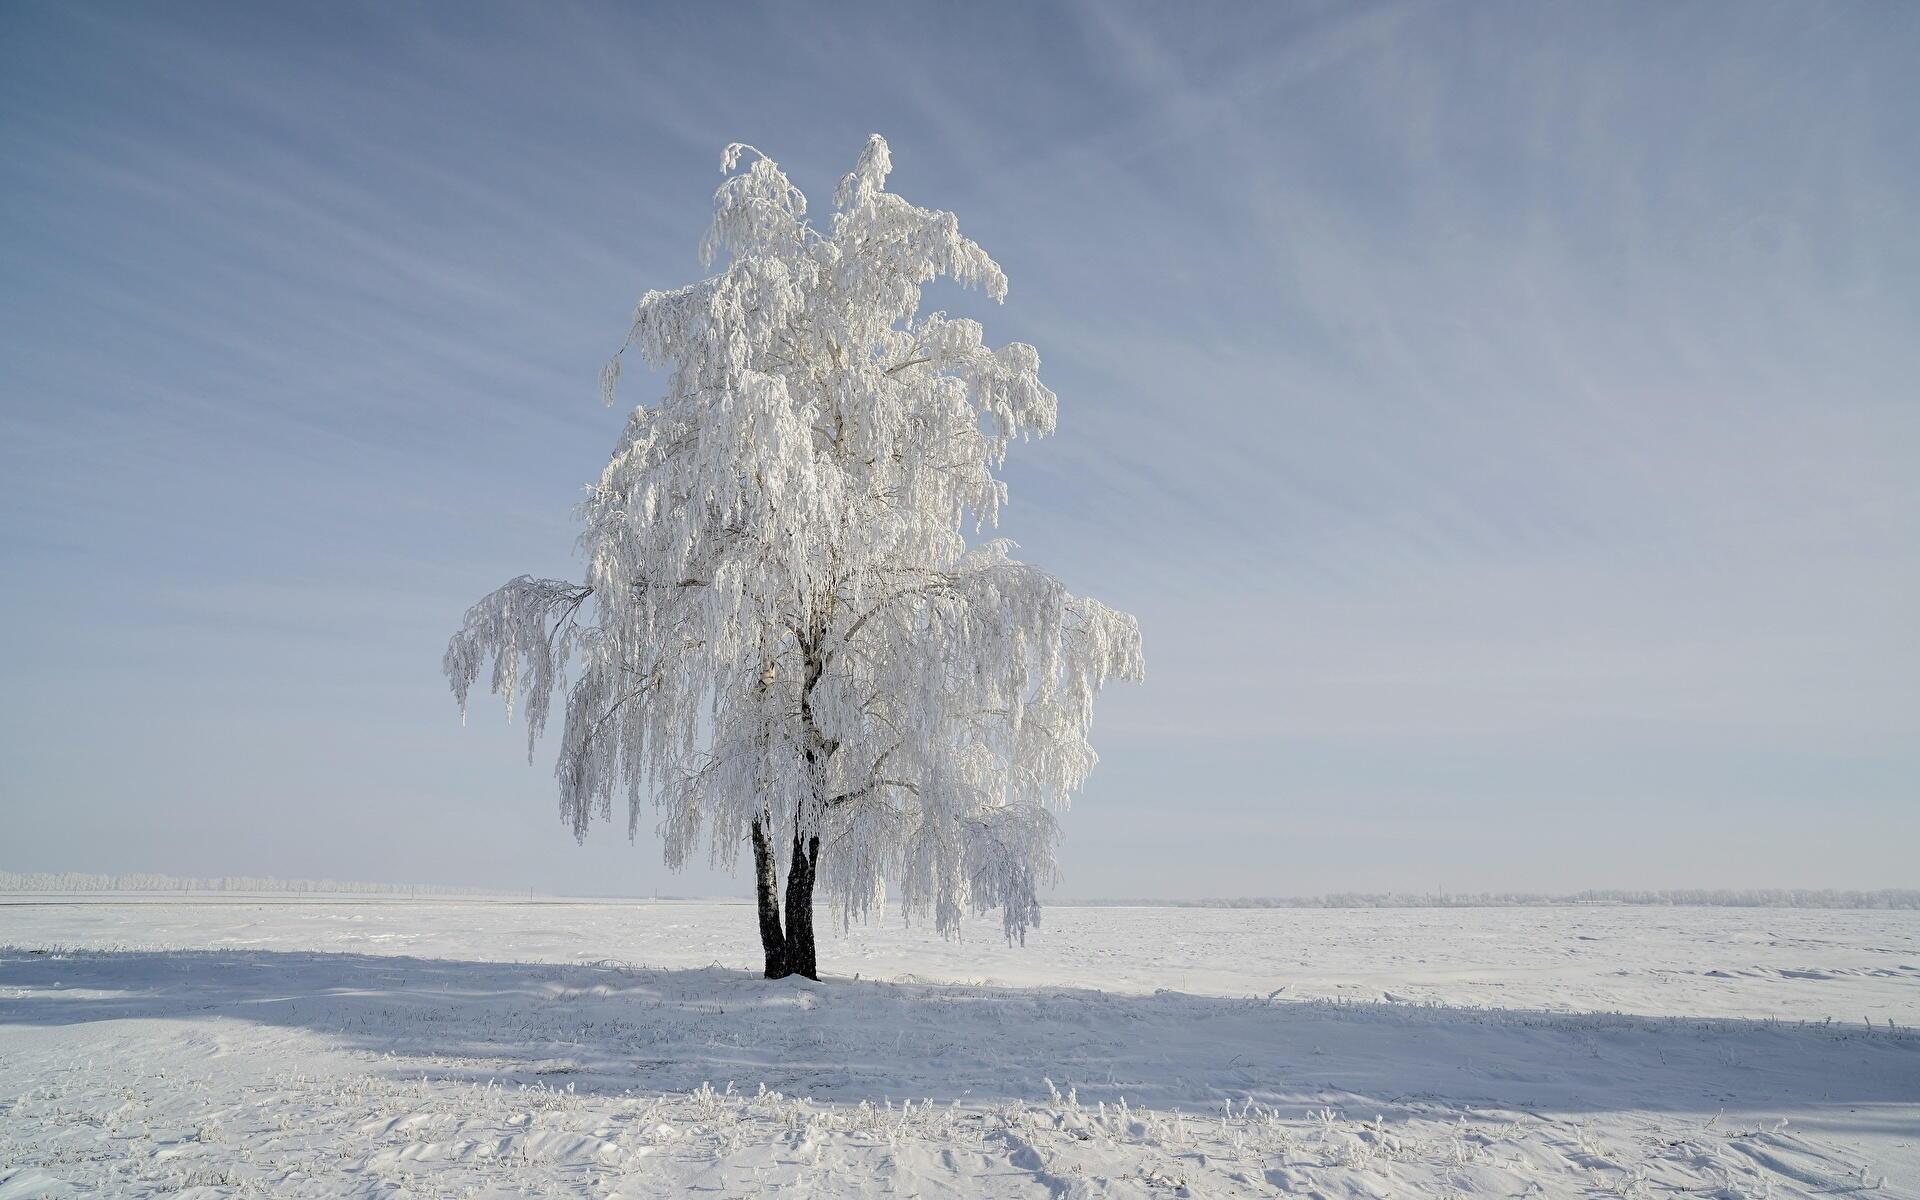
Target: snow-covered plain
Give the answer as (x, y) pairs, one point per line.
(392, 1048)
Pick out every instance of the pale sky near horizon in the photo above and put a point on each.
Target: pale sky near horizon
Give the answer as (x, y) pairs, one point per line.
(1500, 416)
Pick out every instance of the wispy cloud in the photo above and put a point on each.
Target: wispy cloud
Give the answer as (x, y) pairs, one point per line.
(1503, 413)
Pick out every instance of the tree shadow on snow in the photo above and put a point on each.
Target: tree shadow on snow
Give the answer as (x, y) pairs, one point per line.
(610, 1029)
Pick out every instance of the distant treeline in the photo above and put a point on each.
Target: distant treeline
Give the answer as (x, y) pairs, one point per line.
(1672, 897)
(80, 881)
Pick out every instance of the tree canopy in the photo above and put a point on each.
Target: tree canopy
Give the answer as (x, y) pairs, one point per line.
(783, 630)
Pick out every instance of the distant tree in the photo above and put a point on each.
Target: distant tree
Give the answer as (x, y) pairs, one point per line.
(783, 637)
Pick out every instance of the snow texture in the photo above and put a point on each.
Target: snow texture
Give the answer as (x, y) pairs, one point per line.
(386, 1048)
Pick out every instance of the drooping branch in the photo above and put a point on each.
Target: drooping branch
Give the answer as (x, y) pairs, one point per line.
(783, 638)
(510, 626)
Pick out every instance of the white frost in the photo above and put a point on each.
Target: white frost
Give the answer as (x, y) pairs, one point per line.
(782, 620)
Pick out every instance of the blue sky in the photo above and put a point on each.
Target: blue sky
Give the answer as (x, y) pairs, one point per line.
(1501, 417)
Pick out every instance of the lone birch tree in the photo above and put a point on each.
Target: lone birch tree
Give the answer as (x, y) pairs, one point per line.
(783, 638)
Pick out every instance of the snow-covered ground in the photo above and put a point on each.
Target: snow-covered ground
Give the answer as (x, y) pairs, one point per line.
(389, 1048)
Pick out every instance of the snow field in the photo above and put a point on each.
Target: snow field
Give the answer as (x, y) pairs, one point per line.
(1789, 964)
(274, 1070)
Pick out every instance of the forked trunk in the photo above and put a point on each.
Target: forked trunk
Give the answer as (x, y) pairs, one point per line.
(789, 951)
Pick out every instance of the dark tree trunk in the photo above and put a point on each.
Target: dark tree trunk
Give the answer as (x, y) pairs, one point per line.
(767, 891)
(800, 955)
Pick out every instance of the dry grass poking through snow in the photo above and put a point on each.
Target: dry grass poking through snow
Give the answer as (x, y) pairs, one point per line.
(277, 1073)
(271, 1068)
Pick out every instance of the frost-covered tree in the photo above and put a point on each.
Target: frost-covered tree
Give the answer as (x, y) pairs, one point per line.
(783, 637)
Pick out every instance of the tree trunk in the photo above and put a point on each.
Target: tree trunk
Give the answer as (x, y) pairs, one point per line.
(800, 955)
(767, 891)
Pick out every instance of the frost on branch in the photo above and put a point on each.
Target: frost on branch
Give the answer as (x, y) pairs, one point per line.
(525, 627)
(782, 622)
